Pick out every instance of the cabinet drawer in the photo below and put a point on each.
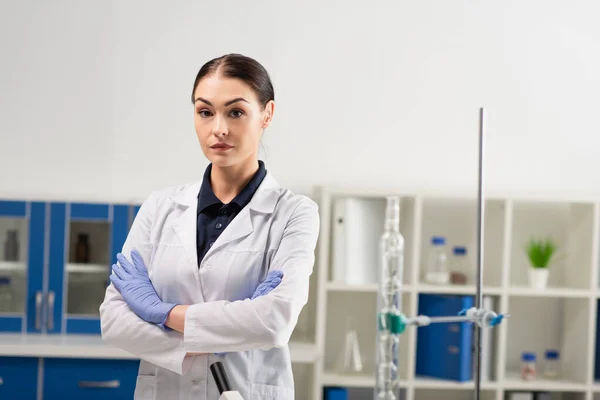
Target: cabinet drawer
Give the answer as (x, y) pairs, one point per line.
(89, 379)
(18, 377)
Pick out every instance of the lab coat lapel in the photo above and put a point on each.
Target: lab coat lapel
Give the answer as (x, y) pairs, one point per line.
(263, 201)
(185, 224)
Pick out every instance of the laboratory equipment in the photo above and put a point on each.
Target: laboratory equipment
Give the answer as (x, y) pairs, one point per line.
(11, 246)
(551, 367)
(460, 270)
(222, 382)
(6, 296)
(350, 359)
(389, 303)
(82, 249)
(528, 367)
(390, 320)
(437, 262)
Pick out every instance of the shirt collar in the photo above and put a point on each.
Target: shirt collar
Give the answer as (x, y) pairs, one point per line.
(207, 198)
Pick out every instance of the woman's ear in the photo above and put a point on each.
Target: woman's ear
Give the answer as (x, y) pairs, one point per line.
(268, 113)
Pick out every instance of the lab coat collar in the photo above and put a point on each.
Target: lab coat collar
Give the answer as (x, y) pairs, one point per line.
(264, 200)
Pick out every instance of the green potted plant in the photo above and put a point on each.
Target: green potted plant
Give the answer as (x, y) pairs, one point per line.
(540, 253)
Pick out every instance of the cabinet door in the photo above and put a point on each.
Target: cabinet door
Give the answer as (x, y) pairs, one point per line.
(22, 250)
(89, 379)
(84, 241)
(18, 378)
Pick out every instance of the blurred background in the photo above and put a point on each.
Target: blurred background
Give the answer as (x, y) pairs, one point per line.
(372, 98)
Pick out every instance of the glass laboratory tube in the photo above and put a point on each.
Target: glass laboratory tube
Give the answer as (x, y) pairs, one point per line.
(389, 304)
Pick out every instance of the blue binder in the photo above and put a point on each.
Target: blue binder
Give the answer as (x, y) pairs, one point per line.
(445, 350)
(335, 393)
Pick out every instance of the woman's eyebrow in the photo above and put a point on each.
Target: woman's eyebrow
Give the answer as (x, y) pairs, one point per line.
(230, 102)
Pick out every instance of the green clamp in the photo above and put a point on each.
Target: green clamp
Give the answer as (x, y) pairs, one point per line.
(391, 322)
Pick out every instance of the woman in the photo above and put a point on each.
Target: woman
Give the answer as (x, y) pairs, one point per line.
(187, 289)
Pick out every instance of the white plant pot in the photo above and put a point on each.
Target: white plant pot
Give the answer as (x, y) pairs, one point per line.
(538, 278)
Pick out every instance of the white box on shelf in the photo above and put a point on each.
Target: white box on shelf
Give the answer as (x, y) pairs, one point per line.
(357, 227)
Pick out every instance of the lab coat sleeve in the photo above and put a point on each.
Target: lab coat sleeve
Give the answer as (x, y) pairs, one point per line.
(122, 328)
(266, 321)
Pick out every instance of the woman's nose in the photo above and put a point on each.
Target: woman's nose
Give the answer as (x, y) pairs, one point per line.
(219, 127)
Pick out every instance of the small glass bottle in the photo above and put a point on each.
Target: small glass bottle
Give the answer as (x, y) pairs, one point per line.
(551, 368)
(11, 246)
(460, 266)
(528, 368)
(5, 294)
(437, 267)
(82, 249)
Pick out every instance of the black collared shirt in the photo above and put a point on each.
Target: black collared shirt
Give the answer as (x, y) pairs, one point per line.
(214, 216)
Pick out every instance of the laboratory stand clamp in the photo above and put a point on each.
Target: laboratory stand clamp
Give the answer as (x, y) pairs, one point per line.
(391, 323)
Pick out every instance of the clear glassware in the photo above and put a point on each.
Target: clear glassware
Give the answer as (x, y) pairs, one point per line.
(528, 367)
(460, 269)
(350, 359)
(437, 266)
(389, 304)
(551, 364)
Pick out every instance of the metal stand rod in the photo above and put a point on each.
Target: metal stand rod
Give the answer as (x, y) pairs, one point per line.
(480, 229)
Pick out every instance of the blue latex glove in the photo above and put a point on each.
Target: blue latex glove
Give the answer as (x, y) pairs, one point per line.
(271, 282)
(134, 284)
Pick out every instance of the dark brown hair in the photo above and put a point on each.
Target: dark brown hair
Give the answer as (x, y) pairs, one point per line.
(241, 67)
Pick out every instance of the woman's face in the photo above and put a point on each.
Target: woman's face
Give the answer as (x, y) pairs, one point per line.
(229, 120)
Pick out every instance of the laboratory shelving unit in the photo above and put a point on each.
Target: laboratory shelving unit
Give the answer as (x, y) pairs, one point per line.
(562, 316)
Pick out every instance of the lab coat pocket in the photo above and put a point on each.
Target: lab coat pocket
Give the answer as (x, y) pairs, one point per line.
(230, 275)
(145, 388)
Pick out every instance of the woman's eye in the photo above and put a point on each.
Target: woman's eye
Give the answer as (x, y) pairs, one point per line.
(236, 113)
(204, 113)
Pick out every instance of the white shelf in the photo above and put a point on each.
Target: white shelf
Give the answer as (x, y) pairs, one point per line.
(524, 291)
(513, 381)
(457, 289)
(12, 266)
(366, 288)
(303, 353)
(562, 316)
(351, 380)
(87, 268)
(430, 383)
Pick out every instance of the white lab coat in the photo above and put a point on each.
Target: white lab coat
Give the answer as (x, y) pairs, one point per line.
(277, 230)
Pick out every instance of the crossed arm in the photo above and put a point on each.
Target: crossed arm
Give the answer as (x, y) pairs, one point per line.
(263, 322)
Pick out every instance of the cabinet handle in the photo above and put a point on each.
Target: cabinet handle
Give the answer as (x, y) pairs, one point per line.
(453, 350)
(1, 381)
(102, 384)
(51, 310)
(38, 310)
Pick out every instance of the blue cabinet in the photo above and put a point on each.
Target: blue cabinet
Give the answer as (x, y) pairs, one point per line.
(89, 379)
(67, 378)
(23, 228)
(18, 378)
(54, 278)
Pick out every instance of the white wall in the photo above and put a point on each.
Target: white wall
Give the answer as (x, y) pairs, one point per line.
(94, 95)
